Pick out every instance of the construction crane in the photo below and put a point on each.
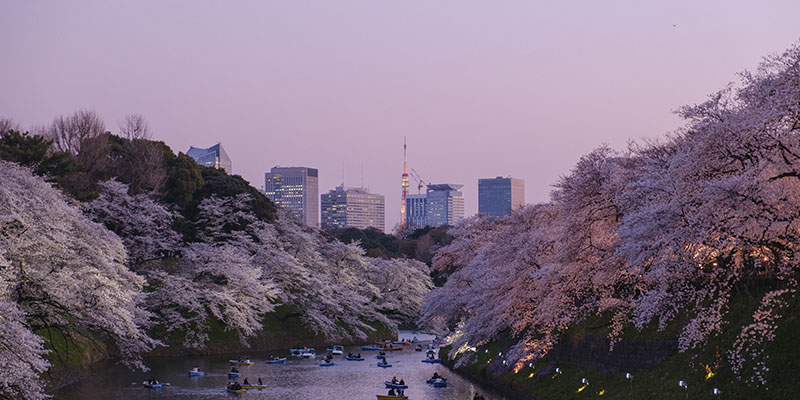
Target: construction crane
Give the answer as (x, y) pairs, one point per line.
(420, 182)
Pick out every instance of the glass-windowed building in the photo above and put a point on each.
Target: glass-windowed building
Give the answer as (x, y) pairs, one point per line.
(353, 208)
(442, 204)
(415, 211)
(295, 189)
(214, 157)
(500, 196)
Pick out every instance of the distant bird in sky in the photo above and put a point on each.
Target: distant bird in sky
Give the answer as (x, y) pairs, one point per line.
(674, 25)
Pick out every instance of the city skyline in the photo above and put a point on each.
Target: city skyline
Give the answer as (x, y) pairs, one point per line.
(316, 85)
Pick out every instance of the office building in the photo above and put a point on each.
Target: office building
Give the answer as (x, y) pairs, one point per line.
(214, 157)
(500, 196)
(415, 211)
(295, 189)
(353, 208)
(442, 204)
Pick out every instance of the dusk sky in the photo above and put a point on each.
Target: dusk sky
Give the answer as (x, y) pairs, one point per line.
(480, 89)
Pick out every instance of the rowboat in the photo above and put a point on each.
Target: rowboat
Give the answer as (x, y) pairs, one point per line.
(372, 348)
(241, 362)
(356, 358)
(393, 349)
(384, 365)
(438, 382)
(326, 364)
(384, 397)
(254, 387)
(236, 391)
(276, 361)
(152, 386)
(336, 350)
(234, 374)
(196, 373)
(380, 357)
(305, 352)
(390, 385)
(434, 361)
(398, 343)
(309, 353)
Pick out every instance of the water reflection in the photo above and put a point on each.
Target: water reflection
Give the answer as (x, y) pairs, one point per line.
(294, 380)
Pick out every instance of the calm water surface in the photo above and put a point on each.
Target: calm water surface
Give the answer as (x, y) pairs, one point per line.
(295, 380)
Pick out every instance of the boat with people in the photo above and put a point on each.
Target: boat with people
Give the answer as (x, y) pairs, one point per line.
(432, 361)
(437, 380)
(195, 371)
(392, 349)
(370, 348)
(391, 385)
(384, 365)
(276, 360)
(151, 385)
(336, 350)
(241, 362)
(326, 364)
(232, 375)
(418, 348)
(304, 352)
(395, 397)
(235, 388)
(354, 357)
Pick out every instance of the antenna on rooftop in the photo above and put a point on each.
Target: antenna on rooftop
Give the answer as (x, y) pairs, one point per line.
(343, 174)
(362, 175)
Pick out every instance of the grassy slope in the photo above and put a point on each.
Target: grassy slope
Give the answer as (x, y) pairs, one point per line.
(661, 380)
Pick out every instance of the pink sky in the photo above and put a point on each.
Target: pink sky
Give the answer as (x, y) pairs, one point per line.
(480, 88)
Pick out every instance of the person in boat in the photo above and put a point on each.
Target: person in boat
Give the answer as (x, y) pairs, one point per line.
(401, 392)
(384, 362)
(260, 382)
(394, 380)
(349, 354)
(196, 369)
(229, 386)
(436, 375)
(391, 392)
(153, 381)
(431, 357)
(380, 353)
(245, 382)
(359, 355)
(234, 369)
(402, 382)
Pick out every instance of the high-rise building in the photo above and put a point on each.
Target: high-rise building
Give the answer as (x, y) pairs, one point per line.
(442, 204)
(295, 189)
(353, 208)
(415, 211)
(214, 157)
(500, 196)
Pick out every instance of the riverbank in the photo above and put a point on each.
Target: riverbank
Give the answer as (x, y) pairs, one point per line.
(651, 358)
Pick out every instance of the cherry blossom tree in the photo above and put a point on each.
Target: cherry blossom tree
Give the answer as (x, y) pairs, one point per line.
(59, 270)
